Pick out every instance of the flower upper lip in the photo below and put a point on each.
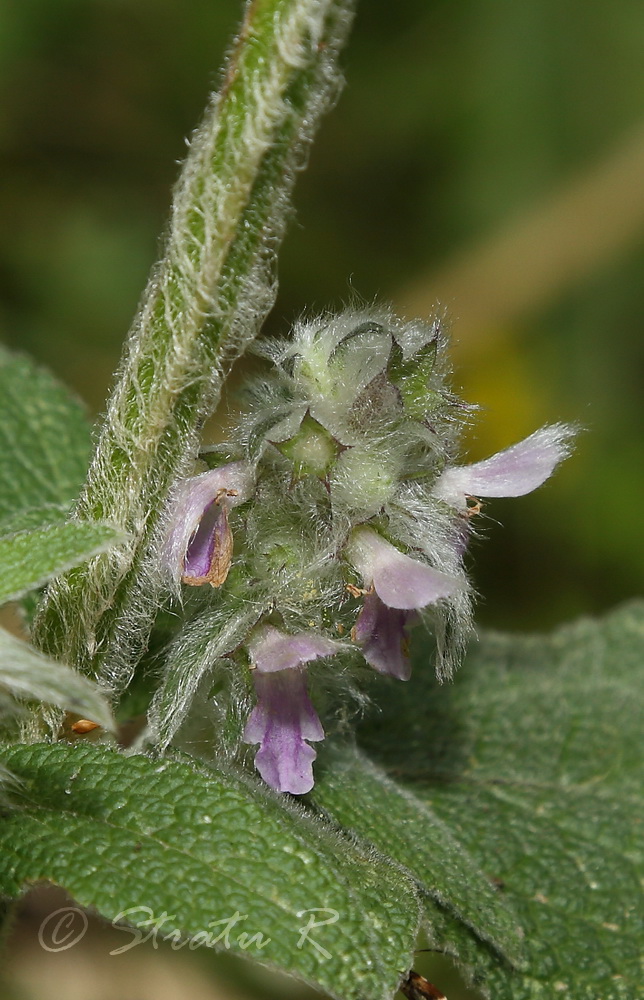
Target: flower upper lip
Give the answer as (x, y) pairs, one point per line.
(399, 580)
(271, 650)
(193, 498)
(513, 472)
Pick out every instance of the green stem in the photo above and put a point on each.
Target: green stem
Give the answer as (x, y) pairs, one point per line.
(204, 302)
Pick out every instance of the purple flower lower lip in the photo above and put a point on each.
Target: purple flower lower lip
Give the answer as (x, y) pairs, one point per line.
(381, 632)
(281, 722)
(510, 473)
(399, 581)
(284, 718)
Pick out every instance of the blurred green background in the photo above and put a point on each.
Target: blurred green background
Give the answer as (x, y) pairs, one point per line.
(488, 156)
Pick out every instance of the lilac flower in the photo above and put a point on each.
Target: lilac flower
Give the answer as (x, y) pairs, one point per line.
(398, 580)
(198, 545)
(284, 717)
(381, 632)
(510, 473)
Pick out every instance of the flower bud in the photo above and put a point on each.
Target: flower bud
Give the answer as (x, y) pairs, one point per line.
(312, 450)
(364, 481)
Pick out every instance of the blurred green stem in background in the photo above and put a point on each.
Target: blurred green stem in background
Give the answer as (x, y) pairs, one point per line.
(537, 256)
(204, 302)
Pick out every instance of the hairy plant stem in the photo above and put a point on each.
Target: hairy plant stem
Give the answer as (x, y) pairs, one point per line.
(204, 302)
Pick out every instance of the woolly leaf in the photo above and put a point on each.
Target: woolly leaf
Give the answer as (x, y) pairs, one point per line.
(28, 675)
(166, 840)
(531, 758)
(44, 438)
(30, 558)
(364, 799)
(34, 517)
(194, 656)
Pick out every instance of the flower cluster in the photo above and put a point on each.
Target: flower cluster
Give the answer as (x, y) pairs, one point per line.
(344, 516)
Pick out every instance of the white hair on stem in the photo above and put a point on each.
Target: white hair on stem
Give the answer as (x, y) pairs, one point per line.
(203, 304)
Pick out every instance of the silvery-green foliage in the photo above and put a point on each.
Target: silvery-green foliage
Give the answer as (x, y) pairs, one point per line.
(31, 557)
(334, 516)
(44, 445)
(28, 676)
(194, 851)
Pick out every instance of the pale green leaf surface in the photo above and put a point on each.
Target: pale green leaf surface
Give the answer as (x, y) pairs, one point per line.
(120, 832)
(44, 437)
(30, 558)
(28, 675)
(361, 797)
(34, 517)
(532, 758)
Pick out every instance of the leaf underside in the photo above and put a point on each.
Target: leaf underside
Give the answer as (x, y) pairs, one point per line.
(44, 439)
(27, 675)
(30, 558)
